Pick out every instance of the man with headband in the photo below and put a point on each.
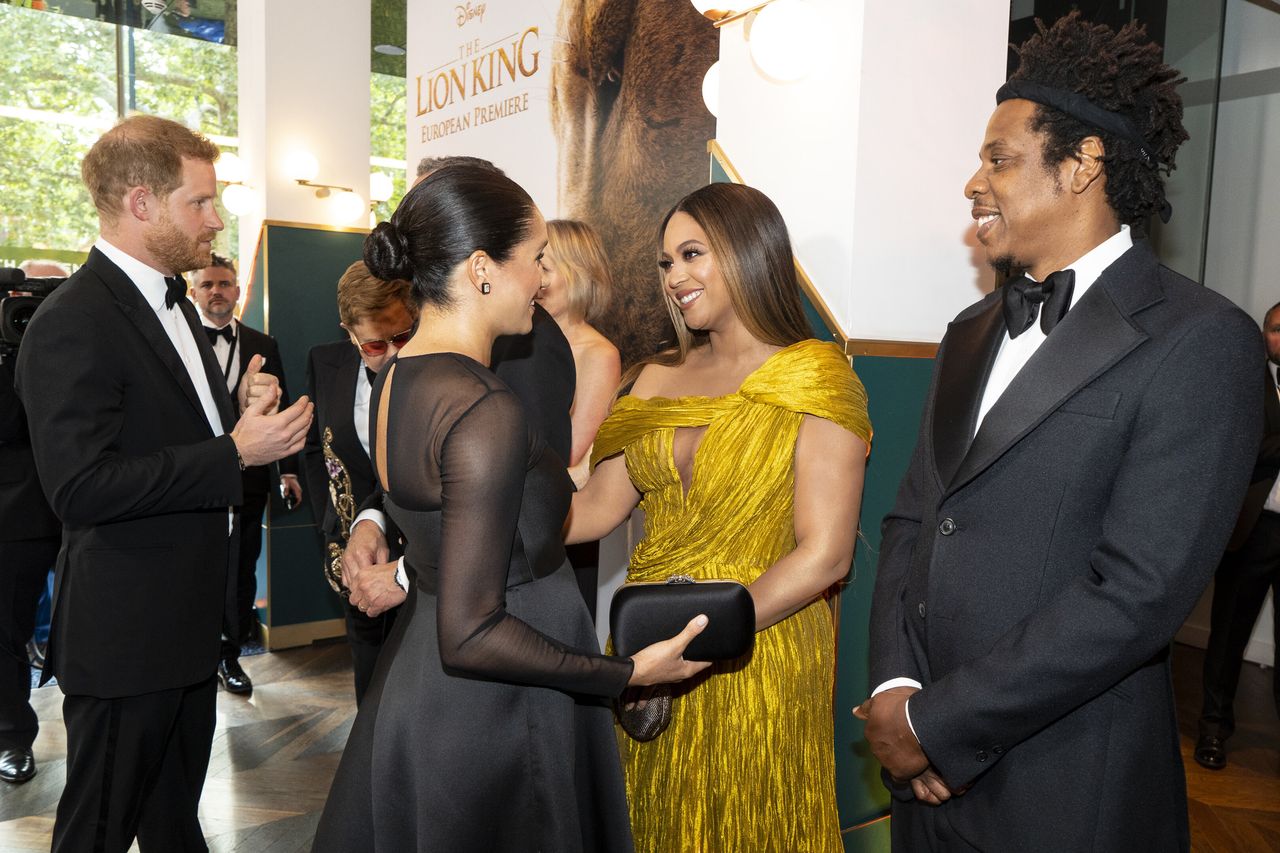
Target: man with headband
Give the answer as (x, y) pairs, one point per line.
(1089, 431)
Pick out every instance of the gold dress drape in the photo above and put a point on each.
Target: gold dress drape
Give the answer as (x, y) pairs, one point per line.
(748, 762)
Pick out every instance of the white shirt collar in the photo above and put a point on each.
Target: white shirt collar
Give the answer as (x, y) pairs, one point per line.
(204, 321)
(148, 280)
(1090, 267)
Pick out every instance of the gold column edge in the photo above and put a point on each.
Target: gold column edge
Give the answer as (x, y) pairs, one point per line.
(301, 634)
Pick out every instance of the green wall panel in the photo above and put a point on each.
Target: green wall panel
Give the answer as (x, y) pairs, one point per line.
(872, 838)
(896, 389)
(292, 297)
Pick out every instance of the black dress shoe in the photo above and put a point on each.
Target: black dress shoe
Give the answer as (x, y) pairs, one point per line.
(17, 765)
(1211, 752)
(233, 678)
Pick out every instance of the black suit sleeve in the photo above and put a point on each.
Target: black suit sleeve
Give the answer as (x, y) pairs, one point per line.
(275, 366)
(890, 650)
(315, 479)
(75, 402)
(1165, 528)
(13, 422)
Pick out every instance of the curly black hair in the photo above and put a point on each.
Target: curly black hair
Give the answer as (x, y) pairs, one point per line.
(1122, 72)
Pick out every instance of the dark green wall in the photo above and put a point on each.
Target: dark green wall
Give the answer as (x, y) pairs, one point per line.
(293, 298)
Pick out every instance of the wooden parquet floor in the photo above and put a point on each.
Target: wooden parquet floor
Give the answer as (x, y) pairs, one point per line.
(1236, 809)
(275, 753)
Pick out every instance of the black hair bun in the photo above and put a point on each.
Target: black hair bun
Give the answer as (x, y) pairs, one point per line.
(386, 253)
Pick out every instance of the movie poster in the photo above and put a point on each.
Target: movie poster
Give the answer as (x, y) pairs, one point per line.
(593, 106)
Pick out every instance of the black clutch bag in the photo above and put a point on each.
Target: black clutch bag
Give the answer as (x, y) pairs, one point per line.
(645, 613)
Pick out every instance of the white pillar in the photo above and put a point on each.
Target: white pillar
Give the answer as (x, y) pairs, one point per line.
(867, 155)
(304, 86)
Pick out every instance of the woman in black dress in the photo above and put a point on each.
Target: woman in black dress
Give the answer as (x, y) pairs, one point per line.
(485, 727)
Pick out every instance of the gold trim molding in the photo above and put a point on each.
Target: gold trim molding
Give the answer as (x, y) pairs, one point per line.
(301, 634)
(312, 226)
(895, 349)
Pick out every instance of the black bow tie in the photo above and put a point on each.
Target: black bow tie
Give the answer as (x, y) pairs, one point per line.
(175, 289)
(371, 374)
(1023, 297)
(224, 332)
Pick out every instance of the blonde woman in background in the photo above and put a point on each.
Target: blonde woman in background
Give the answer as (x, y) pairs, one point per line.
(576, 286)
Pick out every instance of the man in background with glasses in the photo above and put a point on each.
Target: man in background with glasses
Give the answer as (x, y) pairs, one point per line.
(377, 318)
(217, 294)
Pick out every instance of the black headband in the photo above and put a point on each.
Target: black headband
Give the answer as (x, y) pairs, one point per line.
(1079, 107)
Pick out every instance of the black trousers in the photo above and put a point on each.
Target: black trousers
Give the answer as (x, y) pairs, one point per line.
(1239, 588)
(366, 635)
(136, 767)
(24, 565)
(238, 620)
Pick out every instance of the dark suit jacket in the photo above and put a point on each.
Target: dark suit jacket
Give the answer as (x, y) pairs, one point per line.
(538, 367)
(257, 479)
(1032, 578)
(141, 484)
(332, 370)
(24, 513)
(1266, 468)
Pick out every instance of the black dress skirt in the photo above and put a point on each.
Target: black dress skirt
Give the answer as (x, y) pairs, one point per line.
(486, 727)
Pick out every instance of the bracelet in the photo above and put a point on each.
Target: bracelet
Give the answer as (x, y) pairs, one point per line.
(239, 458)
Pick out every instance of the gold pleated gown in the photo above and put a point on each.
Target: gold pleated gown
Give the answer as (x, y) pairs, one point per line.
(748, 762)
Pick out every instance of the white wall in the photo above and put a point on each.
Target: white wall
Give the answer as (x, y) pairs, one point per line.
(1243, 255)
(309, 91)
(868, 155)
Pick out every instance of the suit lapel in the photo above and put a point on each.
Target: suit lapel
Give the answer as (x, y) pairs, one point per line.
(344, 402)
(135, 308)
(248, 349)
(1093, 337)
(971, 350)
(1272, 405)
(212, 371)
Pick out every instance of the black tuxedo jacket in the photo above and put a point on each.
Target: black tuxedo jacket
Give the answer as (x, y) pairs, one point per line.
(538, 367)
(1265, 469)
(332, 370)
(1032, 577)
(131, 467)
(257, 479)
(24, 513)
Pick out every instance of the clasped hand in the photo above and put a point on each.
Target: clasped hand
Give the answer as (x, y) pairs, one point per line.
(896, 748)
(263, 434)
(367, 573)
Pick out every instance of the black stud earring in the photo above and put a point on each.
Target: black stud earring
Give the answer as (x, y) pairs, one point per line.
(484, 288)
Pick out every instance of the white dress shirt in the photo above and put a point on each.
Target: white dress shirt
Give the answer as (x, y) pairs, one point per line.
(150, 283)
(1016, 352)
(364, 393)
(224, 349)
(1273, 498)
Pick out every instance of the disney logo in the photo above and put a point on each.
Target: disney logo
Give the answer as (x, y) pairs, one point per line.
(469, 12)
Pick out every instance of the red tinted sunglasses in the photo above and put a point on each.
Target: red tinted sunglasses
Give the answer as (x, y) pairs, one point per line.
(379, 347)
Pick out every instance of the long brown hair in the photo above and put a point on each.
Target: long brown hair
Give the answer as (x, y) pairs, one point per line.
(751, 247)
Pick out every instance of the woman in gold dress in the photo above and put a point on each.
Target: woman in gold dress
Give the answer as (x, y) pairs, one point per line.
(745, 446)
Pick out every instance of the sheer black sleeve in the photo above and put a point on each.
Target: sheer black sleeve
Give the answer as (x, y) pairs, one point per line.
(482, 462)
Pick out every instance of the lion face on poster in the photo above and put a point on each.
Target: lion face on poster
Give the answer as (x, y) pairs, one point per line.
(631, 131)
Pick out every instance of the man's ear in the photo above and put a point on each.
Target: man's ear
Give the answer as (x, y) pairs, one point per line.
(1088, 164)
(140, 203)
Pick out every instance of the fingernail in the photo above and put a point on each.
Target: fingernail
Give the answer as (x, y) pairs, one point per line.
(701, 620)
